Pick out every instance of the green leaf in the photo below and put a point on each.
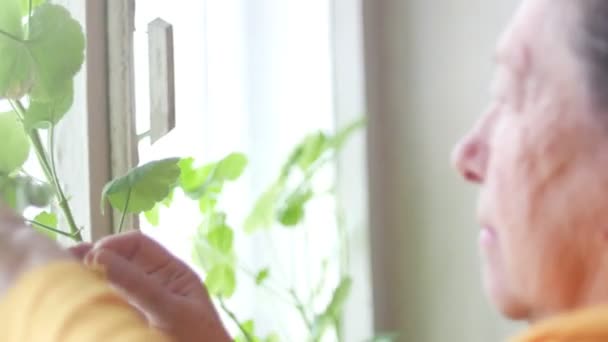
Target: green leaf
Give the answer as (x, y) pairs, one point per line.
(272, 338)
(46, 219)
(346, 133)
(153, 215)
(313, 148)
(213, 243)
(16, 75)
(262, 276)
(231, 167)
(25, 5)
(221, 238)
(207, 204)
(169, 199)
(334, 309)
(44, 113)
(292, 161)
(194, 180)
(47, 60)
(56, 44)
(15, 144)
(143, 187)
(263, 214)
(292, 212)
(206, 256)
(221, 281)
(249, 330)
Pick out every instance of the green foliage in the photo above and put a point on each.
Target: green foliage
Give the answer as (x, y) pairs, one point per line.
(153, 215)
(262, 276)
(221, 281)
(209, 179)
(334, 309)
(230, 168)
(56, 45)
(143, 187)
(221, 238)
(347, 132)
(47, 113)
(42, 49)
(16, 76)
(44, 222)
(25, 5)
(192, 180)
(263, 214)
(15, 144)
(312, 148)
(248, 328)
(43, 59)
(287, 204)
(292, 212)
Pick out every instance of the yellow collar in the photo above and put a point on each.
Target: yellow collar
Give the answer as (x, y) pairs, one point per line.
(590, 325)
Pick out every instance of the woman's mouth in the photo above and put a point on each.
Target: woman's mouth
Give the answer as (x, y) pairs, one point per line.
(487, 237)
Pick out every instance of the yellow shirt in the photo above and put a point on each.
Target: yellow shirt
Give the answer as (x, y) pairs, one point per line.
(590, 325)
(64, 302)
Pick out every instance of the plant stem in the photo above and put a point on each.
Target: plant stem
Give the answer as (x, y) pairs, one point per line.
(10, 36)
(49, 228)
(339, 331)
(253, 276)
(233, 317)
(344, 242)
(48, 172)
(301, 309)
(124, 212)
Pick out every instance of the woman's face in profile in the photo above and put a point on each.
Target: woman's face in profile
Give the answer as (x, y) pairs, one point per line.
(540, 157)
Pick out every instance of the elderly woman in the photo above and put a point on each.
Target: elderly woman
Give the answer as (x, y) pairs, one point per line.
(539, 155)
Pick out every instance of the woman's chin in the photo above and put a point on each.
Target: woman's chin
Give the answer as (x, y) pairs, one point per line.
(501, 297)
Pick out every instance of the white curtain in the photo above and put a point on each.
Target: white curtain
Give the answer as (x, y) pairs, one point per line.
(256, 77)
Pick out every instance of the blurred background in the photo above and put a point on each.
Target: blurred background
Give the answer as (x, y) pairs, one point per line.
(257, 77)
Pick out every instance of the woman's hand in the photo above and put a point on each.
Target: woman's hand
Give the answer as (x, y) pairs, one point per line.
(163, 288)
(22, 249)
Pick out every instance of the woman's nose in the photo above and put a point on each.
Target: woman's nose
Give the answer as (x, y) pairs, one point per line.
(469, 157)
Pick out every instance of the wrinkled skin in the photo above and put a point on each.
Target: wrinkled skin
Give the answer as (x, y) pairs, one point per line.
(164, 289)
(539, 155)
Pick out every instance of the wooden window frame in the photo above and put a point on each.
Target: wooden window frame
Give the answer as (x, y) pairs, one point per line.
(96, 141)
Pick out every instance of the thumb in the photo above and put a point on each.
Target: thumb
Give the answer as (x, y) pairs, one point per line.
(135, 285)
(80, 251)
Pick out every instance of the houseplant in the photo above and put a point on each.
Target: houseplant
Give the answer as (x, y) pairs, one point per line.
(42, 49)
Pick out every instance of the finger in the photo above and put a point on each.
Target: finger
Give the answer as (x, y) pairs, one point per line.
(80, 251)
(9, 220)
(138, 249)
(138, 288)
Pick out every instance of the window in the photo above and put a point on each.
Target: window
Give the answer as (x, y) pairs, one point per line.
(254, 78)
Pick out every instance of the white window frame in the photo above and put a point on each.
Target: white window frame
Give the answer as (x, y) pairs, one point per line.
(352, 189)
(82, 138)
